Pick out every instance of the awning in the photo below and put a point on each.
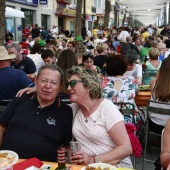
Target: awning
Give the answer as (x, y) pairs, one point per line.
(11, 12)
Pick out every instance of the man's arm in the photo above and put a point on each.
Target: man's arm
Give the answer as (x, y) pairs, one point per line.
(2, 133)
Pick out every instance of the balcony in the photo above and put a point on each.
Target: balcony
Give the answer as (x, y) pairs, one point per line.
(66, 12)
(64, 1)
(93, 9)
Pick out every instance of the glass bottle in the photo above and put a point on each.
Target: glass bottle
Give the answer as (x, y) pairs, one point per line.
(61, 159)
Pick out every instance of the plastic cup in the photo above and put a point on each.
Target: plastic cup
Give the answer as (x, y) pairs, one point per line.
(9, 167)
(75, 146)
(161, 57)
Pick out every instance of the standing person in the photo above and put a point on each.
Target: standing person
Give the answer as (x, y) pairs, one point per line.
(53, 32)
(98, 125)
(12, 80)
(47, 114)
(30, 42)
(70, 45)
(35, 32)
(21, 61)
(8, 35)
(89, 34)
(44, 34)
(25, 32)
(123, 34)
(63, 44)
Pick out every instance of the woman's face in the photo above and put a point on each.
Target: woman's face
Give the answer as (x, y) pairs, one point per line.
(76, 90)
(137, 42)
(88, 63)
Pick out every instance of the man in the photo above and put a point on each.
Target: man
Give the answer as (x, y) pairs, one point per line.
(21, 61)
(150, 30)
(124, 33)
(145, 34)
(35, 31)
(63, 44)
(35, 125)
(48, 57)
(132, 46)
(12, 80)
(44, 34)
(30, 42)
(25, 32)
(8, 35)
(100, 32)
(53, 32)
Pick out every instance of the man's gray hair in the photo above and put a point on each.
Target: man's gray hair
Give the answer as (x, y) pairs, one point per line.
(14, 45)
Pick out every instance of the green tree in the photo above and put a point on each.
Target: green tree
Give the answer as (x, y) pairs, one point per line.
(2, 22)
(78, 23)
(107, 13)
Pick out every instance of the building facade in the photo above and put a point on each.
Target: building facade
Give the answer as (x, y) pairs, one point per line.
(36, 12)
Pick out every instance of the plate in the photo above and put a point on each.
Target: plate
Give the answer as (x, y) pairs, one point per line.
(102, 165)
(11, 154)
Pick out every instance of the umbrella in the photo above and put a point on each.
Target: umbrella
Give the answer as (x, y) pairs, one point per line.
(11, 12)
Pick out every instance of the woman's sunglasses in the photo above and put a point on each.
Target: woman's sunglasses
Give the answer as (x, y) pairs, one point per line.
(72, 83)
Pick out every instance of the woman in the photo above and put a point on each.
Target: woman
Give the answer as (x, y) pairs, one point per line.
(118, 87)
(88, 60)
(160, 92)
(138, 44)
(98, 125)
(165, 151)
(152, 65)
(133, 69)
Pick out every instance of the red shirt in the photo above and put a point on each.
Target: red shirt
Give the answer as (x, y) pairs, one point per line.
(26, 32)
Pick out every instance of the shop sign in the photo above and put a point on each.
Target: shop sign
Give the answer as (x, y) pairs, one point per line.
(27, 2)
(43, 2)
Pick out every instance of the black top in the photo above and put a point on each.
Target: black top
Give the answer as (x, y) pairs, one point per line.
(133, 47)
(26, 65)
(35, 132)
(100, 60)
(165, 32)
(35, 32)
(167, 42)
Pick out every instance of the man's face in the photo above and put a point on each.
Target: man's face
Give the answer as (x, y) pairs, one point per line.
(49, 60)
(14, 51)
(70, 46)
(29, 38)
(48, 85)
(63, 43)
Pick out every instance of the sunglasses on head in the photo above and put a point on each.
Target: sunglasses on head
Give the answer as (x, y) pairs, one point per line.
(72, 83)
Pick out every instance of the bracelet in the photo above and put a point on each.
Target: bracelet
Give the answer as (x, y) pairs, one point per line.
(98, 159)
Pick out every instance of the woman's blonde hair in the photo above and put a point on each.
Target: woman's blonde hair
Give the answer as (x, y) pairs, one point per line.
(154, 53)
(161, 45)
(162, 85)
(90, 80)
(100, 47)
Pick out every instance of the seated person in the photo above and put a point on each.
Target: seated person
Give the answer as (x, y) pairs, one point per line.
(119, 87)
(98, 125)
(12, 80)
(152, 65)
(36, 125)
(160, 92)
(145, 50)
(165, 150)
(133, 69)
(100, 59)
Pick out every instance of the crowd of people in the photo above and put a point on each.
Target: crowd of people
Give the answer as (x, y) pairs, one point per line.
(78, 80)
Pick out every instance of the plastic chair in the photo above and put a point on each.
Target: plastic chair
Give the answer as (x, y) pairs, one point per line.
(151, 107)
(3, 104)
(127, 108)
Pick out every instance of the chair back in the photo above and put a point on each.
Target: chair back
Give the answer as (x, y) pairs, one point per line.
(3, 104)
(126, 108)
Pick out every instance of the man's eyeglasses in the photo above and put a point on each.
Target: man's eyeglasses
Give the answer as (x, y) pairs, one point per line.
(72, 83)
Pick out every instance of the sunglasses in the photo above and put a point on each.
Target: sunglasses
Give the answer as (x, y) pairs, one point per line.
(72, 83)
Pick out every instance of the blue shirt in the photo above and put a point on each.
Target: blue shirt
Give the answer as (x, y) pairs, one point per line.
(12, 80)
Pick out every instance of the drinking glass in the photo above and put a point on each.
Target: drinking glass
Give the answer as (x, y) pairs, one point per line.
(74, 147)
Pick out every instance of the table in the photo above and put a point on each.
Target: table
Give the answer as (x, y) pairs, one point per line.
(55, 165)
(142, 97)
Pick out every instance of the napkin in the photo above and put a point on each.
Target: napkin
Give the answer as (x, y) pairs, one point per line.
(27, 163)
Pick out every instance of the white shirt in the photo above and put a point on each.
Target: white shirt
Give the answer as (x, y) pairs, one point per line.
(136, 72)
(89, 33)
(123, 35)
(92, 133)
(30, 43)
(54, 32)
(37, 60)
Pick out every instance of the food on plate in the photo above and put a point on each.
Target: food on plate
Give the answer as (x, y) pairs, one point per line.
(96, 168)
(6, 159)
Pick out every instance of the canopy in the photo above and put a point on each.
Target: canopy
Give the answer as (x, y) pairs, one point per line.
(11, 12)
(146, 11)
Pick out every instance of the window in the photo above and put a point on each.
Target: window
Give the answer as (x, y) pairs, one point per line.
(99, 4)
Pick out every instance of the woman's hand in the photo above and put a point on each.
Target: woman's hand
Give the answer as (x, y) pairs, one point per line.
(27, 90)
(82, 158)
(168, 168)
